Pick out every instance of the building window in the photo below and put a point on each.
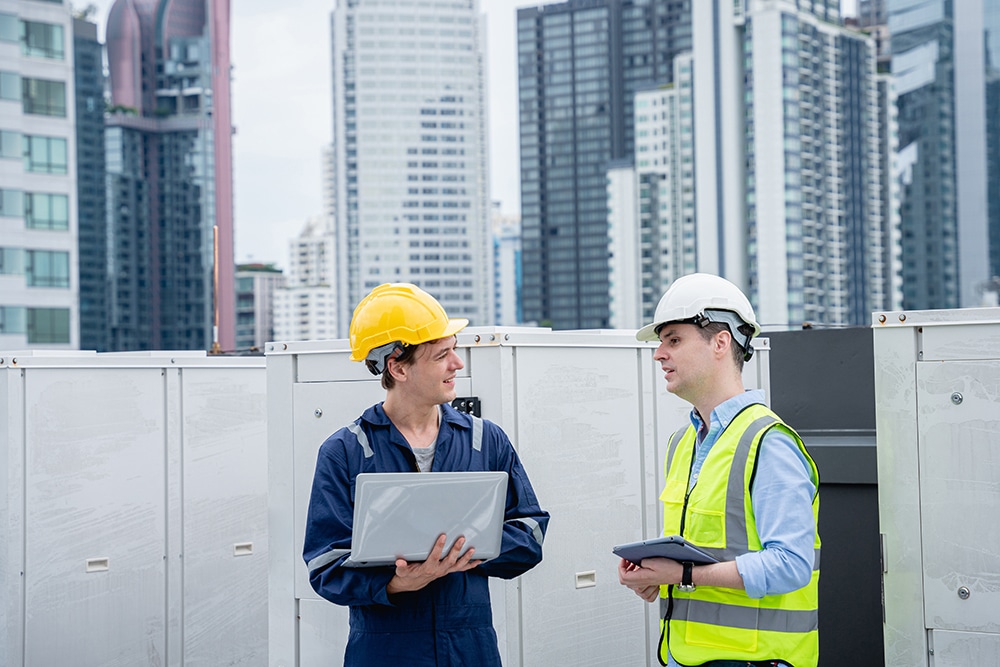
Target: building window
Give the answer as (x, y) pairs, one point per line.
(11, 263)
(10, 86)
(43, 40)
(46, 268)
(48, 325)
(11, 203)
(9, 31)
(45, 211)
(10, 144)
(11, 320)
(45, 154)
(44, 97)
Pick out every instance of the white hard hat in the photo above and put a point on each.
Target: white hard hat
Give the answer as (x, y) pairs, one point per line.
(700, 298)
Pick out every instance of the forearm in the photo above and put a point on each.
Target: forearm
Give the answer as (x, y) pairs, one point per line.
(723, 575)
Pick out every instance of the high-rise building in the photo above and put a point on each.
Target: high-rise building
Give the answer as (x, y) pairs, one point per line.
(946, 79)
(256, 285)
(652, 201)
(38, 204)
(410, 152)
(815, 233)
(93, 254)
(305, 308)
(580, 64)
(506, 268)
(169, 176)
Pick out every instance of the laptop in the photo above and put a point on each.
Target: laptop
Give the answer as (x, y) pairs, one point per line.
(401, 515)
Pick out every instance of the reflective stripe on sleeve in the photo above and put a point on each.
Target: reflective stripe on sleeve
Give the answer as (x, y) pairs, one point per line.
(533, 527)
(325, 559)
(355, 428)
(477, 433)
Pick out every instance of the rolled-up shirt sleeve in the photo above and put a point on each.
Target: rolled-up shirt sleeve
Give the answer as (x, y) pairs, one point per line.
(782, 496)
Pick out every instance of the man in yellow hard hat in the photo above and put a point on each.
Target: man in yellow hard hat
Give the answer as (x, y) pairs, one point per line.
(741, 486)
(436, 612)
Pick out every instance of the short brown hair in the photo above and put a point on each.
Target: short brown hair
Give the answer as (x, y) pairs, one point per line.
(708, 333)
(406, 356)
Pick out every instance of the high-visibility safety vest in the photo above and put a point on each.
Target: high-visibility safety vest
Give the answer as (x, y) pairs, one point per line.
(714, 623)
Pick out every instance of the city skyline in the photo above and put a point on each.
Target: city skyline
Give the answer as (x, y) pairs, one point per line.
(271, 155)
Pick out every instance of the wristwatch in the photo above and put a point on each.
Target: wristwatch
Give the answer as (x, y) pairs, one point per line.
(687, 578)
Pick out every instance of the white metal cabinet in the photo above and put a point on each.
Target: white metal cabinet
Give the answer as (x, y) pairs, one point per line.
(134, 509)
(589, 416)
(938, 421)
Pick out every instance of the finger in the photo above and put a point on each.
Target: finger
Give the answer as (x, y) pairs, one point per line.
(456, 550)
(437, 551)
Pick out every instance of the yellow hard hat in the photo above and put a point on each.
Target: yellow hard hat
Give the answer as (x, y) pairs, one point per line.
(397, 313)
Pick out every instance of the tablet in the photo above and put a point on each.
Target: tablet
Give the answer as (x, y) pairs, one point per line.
(401, 515)
(673, 547)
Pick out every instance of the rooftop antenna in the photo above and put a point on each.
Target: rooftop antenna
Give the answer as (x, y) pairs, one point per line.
(216, 348)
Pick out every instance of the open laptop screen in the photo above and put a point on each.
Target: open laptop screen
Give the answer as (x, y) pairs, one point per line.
(400, 515)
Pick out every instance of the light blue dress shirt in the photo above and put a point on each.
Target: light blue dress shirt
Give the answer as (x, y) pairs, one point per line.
(781, 497)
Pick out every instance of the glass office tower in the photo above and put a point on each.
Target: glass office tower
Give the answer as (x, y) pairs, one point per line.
(411, 194)
(169, 176)
(580, 64)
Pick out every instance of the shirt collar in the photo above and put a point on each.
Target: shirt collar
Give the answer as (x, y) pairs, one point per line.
(726, 411)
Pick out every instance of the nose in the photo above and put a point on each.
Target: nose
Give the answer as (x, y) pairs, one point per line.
(661, 352)
(456, 361)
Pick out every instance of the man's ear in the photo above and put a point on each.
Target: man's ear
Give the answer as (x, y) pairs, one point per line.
(396, 370)
(721, 343)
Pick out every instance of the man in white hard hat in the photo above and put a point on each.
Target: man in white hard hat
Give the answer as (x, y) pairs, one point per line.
(740, 485)
(433, 613)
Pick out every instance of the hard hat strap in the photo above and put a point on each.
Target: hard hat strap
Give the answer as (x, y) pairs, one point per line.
(378, 358)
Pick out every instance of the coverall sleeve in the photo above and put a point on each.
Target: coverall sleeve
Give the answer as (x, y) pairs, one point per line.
(525, 522)
(328, 535)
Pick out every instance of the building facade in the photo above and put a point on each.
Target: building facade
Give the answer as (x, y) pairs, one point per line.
(816, 235)
(39, 284)
(654, 237)
(92, 213)
(169, 176)
(306, 307)
(410, 152)
(507, 268)
(256, 286)
(945, 72)
(579, 66)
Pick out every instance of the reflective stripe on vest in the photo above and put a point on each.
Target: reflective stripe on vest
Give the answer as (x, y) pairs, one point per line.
(746, 618)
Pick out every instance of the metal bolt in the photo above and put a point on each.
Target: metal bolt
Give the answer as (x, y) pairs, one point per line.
(318, 412)
(477, 338)
(902, 317)
(964, 593)
(881, 319)
(492, 337)
(506, 336)
(956, 398)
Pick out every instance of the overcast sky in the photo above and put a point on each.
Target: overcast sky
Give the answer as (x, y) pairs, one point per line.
(283, 117)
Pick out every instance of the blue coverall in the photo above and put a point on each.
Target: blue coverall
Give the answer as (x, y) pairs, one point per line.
(449, 622)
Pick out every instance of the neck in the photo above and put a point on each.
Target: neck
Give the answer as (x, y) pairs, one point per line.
(417, 423)
(717, 396)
